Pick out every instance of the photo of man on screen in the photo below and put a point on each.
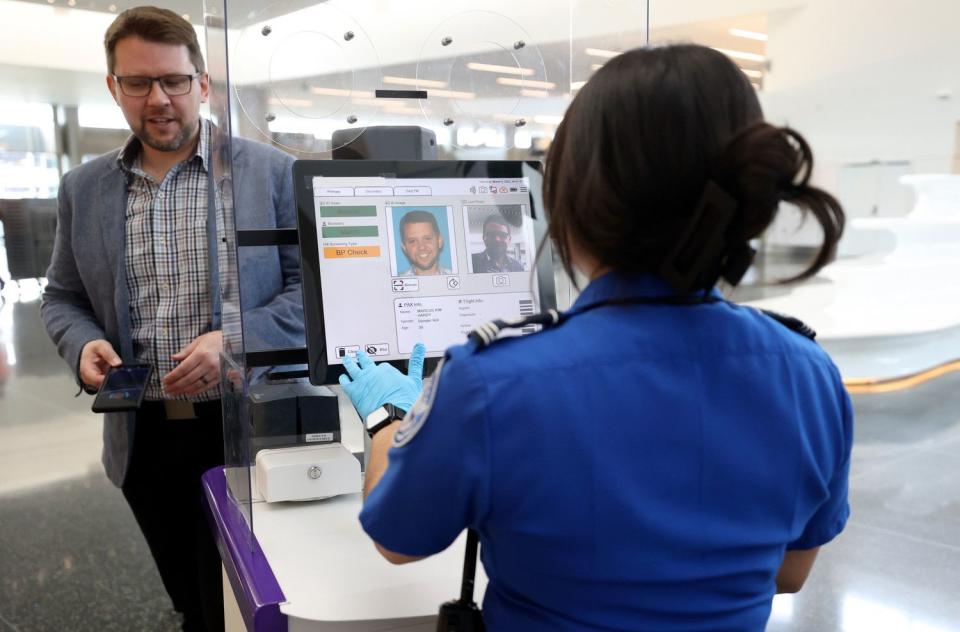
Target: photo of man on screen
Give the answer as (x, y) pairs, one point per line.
(496, 241)
(421, 243)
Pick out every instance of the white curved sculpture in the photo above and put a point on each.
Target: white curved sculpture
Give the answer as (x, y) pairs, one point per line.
(889, 315)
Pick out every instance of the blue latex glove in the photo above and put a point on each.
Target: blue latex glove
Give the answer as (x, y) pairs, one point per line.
(370, 386)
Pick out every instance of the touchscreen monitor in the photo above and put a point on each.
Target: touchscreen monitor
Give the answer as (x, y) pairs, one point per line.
(394, 253)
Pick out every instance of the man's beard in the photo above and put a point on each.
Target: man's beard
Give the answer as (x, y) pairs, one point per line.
(497, 251)
(416, 263)
(187, 131)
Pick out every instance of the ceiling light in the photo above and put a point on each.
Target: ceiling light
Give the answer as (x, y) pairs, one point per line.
(599, 52)
(596, 67)
(537, 94)
(411, 81)
(526, 83)
(339, 92)
(756, 86)
(381, 103)
(576, 85)
(506, 70)
(451, 94)
(739, 54)
(548, 119)
(754, 35)
(756, 74)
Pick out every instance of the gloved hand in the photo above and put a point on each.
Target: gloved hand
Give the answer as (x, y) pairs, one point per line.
(370, 386)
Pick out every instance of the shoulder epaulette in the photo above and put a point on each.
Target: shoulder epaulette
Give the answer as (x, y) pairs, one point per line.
(486, 333)
(791, 323)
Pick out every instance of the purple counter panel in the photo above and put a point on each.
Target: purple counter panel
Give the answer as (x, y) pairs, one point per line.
(254, 585)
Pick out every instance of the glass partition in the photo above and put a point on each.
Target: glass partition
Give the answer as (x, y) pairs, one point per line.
(491, 80)
(480, 75)
(236, 429)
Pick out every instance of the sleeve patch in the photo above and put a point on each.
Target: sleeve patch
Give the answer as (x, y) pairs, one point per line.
(417, 416)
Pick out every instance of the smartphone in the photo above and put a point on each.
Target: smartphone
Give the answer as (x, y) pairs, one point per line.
(123, 388)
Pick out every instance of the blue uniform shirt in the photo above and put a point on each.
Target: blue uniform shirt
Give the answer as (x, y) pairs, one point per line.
(638, 467)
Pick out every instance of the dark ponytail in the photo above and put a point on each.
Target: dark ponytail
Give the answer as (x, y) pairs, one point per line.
(763, 165)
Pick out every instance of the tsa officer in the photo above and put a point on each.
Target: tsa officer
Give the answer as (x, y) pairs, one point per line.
(657, 457)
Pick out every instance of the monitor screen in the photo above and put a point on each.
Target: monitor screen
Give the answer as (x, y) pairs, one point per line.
(394, 253)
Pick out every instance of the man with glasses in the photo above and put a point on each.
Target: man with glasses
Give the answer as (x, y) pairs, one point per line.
(134, 279)
(496, 239)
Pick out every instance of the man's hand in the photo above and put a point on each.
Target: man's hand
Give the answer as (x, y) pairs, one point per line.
(370, 386)
(199, 368)
(95, 358)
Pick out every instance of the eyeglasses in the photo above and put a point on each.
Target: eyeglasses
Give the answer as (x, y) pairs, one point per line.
(172, 85)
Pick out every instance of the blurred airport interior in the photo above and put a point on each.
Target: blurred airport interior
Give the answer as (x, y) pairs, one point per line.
(874, 88)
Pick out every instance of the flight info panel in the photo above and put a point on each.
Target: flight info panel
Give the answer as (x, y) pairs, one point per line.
(407, 260)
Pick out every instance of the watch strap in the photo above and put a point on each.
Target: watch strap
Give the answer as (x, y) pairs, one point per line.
(383, 417)
(395, 412)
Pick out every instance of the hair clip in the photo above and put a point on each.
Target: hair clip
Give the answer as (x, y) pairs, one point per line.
(699, 254)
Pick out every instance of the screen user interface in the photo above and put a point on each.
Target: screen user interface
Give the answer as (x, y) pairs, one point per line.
(408, 260)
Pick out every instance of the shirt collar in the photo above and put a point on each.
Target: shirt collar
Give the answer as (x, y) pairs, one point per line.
(129, 153)
(129, 156)
(203, 147)
(620, 285)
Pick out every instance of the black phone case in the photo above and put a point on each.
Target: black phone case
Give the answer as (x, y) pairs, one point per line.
(103, 405)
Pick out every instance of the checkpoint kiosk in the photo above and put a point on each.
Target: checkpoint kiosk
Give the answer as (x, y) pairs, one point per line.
(483, 84)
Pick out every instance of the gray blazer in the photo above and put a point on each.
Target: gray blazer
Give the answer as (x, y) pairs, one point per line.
(86, 296)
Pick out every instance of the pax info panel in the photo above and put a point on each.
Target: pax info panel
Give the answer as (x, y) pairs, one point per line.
(399, 252)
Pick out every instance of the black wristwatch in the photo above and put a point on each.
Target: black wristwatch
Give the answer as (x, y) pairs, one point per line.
(383, 417)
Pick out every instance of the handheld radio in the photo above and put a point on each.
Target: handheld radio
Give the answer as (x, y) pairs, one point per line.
(463, 614)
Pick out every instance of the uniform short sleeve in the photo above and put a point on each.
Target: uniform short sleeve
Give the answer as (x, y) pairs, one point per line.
(831, 517)
(435, 484)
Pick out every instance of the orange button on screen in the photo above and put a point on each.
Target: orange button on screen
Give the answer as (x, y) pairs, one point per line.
(351, 252)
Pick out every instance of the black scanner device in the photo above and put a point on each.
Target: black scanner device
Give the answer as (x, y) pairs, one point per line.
(295, 413)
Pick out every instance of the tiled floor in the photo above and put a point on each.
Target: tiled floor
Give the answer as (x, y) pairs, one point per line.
(71, 557)
(896, 567)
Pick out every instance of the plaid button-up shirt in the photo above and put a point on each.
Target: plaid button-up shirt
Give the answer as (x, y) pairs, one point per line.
(166, 260)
